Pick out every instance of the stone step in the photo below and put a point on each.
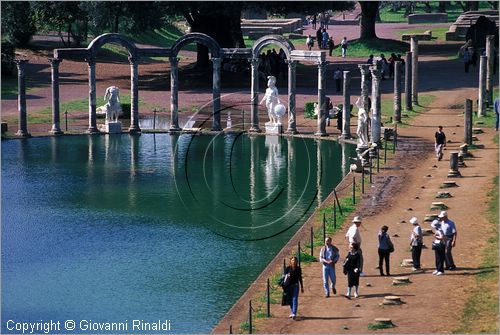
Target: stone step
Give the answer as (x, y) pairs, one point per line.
(443, 195)
(449, 183)
(430, 217)
(439, 205)
(407, 263)
(392, 300)
(401, 281)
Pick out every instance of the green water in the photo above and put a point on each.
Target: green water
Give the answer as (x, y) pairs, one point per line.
(151, 227)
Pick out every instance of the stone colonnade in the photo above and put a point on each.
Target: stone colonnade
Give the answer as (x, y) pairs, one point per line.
(21, 98)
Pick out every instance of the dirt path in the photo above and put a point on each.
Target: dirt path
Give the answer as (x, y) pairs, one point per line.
(437, 300)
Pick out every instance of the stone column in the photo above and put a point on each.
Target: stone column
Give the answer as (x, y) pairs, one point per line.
(292, 123)
(468, 122)
(489, 68)
(254, 63)
(346, 107)
(134, 98)
(408, 81)
(56, 121)
(365, 85)
(414, 86)
(216, 94)
(481, 107)
(174, 94)
(397, 91)
(321, 99)
(92, 97)
(21, 98)
(376, 103)
(453, 172)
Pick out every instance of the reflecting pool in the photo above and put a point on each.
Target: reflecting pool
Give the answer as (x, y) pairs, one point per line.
(153, 227)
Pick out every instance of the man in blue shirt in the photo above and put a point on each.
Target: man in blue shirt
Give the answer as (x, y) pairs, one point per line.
(450, 231)
(328, 256)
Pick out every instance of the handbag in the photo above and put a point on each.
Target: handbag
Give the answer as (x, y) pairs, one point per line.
(391, 247)
(284, 280)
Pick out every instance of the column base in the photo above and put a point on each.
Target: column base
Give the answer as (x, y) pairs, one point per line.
(345, 137)
(174, 129)
(254, 130)
(454, 174)
(291, 131)
(216, 129)
(56, 131)
(93, 130)
(22, 133)
(321, 134)
(134, 130)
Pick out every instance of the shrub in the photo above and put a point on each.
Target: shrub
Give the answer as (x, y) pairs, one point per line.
(309, 110)
(8, 55)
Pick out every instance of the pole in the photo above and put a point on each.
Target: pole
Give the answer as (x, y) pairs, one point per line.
(362, 180)
(338, 202)
(284, 265)
(243, 118)
(378, 159)
(268, 299)
(154, 119)
(298, 252)
(312, 241)
(334, 216)
(385, 150)
(250, 317)
(354, 190)
(324, 228)
(370, 170)
(66, 119)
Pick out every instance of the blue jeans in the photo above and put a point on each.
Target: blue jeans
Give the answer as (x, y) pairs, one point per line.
(295, 298)
(329, 272)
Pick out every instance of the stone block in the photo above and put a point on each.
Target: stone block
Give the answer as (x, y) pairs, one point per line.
(112, 128)
(407, 263)
(449, 183)
(430, 217)
(401, 281)
(439, 205)
(392, 300)
(443, 195)
(428, 18)
(274, 129)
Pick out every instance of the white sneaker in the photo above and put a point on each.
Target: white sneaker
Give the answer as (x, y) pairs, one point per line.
(435, 272)
(439, 273)
(356, 295)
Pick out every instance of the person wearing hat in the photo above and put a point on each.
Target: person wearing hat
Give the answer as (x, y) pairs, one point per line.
(450, 231)
(353, 236)
(416, 243)
(439, 246)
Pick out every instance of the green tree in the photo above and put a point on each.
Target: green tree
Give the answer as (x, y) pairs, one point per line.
(17, 22)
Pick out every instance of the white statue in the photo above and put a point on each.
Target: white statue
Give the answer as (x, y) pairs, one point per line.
(275, 109)
(112, 109)
(362, 130)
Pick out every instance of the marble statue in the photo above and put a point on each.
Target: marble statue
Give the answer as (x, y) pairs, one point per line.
(112, 109)
(362, 130)
(272, 101)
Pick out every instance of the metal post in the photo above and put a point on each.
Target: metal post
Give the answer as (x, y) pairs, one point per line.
(243, 118)
(284, 265)
(298, 252)
(370, 170)
(230, 328)
(334, 216)
(338, 202)
(362, 180)
(385, 150)
(354, 190)
(324, 228)
(268, 299)
(378, 159)
(154, 119)
(66, 119)
(250, 317)
(312, 241)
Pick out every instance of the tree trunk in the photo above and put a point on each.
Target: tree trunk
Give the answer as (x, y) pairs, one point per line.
(369, 11)
(473, 5)
(442, 6)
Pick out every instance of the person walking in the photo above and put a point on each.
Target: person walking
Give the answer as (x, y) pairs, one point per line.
(439, 247)
(319, 37)
(440, 143)
(353, 236)
(337, 76)
(328, 256)
(331, 45)
(416, 243)
(344, 45)
(309, 42)
(450, 231)
(324, 39)
(352, 268)
(295, 273)
(385, 247)
(314, 20)
(496, 107)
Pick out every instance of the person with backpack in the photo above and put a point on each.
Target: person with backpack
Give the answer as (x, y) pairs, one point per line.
(291, 286)
(385, 247)
(328, 256)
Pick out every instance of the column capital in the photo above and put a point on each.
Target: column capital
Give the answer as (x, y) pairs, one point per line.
(254, 61)
(291, 62)
(20, 62)
(90, 61)
(321, 64)
(54, 62)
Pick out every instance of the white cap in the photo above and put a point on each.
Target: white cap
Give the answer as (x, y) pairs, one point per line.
(443, 214)
(356, 219)
(435, 224)
(414, 220)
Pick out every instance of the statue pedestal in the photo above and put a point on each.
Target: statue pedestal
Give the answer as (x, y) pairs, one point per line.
(274, 128)
(112, 128)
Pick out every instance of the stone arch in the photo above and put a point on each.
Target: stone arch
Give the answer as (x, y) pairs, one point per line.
(199, 38)
(286, 45)
(100, 40)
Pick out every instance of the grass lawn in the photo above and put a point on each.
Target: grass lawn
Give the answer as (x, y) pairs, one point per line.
(388, 109)
(438, 33)
(359, 48)
(453, 10)
(9, 87)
